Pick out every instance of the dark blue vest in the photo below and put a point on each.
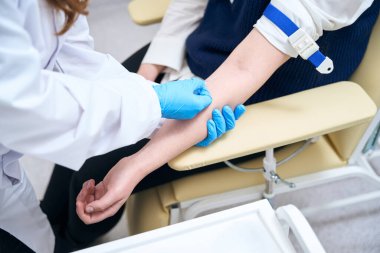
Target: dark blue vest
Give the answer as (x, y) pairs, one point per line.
(225, 25)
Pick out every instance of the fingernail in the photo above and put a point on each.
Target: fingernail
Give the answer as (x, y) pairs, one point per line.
(89, 209)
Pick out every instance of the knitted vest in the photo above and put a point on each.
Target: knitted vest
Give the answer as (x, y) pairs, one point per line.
(225, 25)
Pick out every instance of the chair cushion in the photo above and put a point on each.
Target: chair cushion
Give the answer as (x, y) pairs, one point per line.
(285, 120)
(146, 12)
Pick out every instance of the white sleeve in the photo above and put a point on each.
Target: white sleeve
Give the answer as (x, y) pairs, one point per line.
(65, 118)
(313, 16)
(168, 46)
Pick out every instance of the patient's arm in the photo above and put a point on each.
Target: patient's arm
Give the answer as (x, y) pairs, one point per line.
(240, 76)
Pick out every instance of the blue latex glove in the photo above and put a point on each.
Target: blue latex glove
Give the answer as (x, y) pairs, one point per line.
(220, 123)
(183, 99)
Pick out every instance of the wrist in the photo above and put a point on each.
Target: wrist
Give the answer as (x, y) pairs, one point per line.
(131, 167)
(138, 167)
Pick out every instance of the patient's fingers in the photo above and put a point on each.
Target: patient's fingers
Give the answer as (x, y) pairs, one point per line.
(101, 215)
(90, 197)
(80, 206)
(87, 190)
(103, 203)
(85, 196)
(100, 190)
(90, 191)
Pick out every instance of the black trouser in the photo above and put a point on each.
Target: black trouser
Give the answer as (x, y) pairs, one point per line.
(10, 244)
(65, 184)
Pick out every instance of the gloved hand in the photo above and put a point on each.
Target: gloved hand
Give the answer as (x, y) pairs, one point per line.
(183, 99)
(220, 123)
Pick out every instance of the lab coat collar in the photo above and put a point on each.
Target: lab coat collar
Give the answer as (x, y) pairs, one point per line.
(10, 172)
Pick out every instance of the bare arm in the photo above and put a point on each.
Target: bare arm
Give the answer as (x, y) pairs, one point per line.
(240, 76)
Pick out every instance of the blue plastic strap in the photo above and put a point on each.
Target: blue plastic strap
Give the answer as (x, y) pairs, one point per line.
(289, 27)
(317, 58)
(280, 20)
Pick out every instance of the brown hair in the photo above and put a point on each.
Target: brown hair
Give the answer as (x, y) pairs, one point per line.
(72, 9)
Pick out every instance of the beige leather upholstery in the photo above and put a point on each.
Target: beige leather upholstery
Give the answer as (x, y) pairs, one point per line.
(145, 210)
(368, 76)
(285, 120)
(368, 73)
(145, 12)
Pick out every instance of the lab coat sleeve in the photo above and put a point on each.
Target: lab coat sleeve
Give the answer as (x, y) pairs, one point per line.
(67, 118)
(313, 16)
(168, 46)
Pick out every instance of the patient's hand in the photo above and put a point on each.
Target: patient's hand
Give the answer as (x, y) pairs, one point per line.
(96, 203)
(150, 71)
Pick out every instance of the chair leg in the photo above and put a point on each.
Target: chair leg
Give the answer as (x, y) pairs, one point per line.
(270, 175)
(175, 214)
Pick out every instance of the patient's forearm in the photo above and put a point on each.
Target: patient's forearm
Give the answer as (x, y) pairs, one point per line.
(240, 76)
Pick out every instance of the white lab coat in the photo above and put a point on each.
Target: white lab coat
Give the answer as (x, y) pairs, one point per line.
(61, 101)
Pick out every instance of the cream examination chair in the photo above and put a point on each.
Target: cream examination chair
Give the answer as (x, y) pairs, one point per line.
(335, 122)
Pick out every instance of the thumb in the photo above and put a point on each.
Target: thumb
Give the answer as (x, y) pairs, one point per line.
(203, 101)
(200, 87)
(102, 204)
(200, 90)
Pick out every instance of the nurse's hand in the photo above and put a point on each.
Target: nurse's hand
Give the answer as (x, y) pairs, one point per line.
(183, 99)
(220, 123)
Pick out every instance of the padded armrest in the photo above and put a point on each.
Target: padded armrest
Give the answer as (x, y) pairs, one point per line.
(285, 120)
(146, 12)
